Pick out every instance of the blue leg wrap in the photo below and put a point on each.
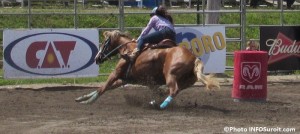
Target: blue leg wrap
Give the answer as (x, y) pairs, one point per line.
(166, 102)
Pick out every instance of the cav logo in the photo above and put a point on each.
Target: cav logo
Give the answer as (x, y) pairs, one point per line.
(50, 59)
(200, 44)
(50, 53)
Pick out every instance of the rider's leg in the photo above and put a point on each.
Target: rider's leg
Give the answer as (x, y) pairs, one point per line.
(156, 37)
(169, 34)
(151, 38)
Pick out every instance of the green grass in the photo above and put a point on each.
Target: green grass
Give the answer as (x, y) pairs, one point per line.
(98, 20)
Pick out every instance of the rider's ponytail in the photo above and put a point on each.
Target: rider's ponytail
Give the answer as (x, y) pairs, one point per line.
(162, 11)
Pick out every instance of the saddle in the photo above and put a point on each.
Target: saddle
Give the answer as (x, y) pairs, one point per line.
(166, 43)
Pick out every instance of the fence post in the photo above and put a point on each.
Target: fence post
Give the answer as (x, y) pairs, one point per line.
(281, 11)
(243, 24)
(29, 14)
(198, 15)
(75, 14)
(203, 12)
(121, 15)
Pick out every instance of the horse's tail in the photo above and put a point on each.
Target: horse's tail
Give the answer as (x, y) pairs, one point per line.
(208, 80)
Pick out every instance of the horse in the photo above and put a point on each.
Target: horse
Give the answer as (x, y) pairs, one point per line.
(176, 67)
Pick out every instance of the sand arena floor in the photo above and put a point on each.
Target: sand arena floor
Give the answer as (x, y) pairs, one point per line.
(40, 109)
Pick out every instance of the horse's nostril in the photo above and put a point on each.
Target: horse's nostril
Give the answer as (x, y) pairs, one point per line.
(98, 60)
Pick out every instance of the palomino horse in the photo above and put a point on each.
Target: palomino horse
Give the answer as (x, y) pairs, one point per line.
(176, 67)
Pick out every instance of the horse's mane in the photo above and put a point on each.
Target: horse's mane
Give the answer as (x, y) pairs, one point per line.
(115, 34)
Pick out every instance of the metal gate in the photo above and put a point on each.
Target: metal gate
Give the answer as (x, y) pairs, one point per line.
(76, 9)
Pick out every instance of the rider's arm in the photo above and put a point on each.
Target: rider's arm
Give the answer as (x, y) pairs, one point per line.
(152, 22)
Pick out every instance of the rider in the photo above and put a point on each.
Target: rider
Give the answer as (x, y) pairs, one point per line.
(252, 46)
(162, 23)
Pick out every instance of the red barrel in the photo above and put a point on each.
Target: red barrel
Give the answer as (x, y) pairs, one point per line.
(250, 75)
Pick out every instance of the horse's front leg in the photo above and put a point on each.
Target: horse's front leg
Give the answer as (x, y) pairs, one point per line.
(92, 97)
(112, 82)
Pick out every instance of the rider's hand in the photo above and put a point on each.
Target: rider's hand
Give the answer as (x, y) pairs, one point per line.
(133, 40)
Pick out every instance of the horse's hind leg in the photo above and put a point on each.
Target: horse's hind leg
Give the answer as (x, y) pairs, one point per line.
(171, 82)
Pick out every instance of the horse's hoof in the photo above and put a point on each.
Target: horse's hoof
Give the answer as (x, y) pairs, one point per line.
(86, 97)
(154, 104)
(79, 99)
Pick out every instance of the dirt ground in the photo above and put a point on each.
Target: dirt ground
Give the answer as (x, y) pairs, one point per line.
(32, 109)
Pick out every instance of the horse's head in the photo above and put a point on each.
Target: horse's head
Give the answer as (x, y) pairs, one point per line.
(110, 46)
(103, 52)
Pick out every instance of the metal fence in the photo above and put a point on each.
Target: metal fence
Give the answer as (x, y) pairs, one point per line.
(199, 9)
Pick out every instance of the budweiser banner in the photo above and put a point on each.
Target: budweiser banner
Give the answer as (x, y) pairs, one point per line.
(283, 46)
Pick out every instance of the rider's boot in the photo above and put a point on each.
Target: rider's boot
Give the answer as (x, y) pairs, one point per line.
(134, 54)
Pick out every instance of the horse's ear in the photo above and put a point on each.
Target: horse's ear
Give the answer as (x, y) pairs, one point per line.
(106, 34)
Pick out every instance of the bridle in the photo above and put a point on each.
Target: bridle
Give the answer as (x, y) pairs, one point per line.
(105, 48)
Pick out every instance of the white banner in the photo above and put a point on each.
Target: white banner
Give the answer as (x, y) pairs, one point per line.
(207, 43)
(45, 53)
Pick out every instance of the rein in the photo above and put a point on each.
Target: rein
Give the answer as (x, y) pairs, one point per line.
(105, 56)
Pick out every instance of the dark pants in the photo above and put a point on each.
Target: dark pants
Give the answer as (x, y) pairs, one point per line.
(289, 3)
(254, 3)
(156, 37)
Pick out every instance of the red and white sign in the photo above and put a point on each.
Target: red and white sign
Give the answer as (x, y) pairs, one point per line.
(250, 75)
(50, 53)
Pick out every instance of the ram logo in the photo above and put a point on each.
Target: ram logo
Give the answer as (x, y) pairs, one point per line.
(250, 71)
